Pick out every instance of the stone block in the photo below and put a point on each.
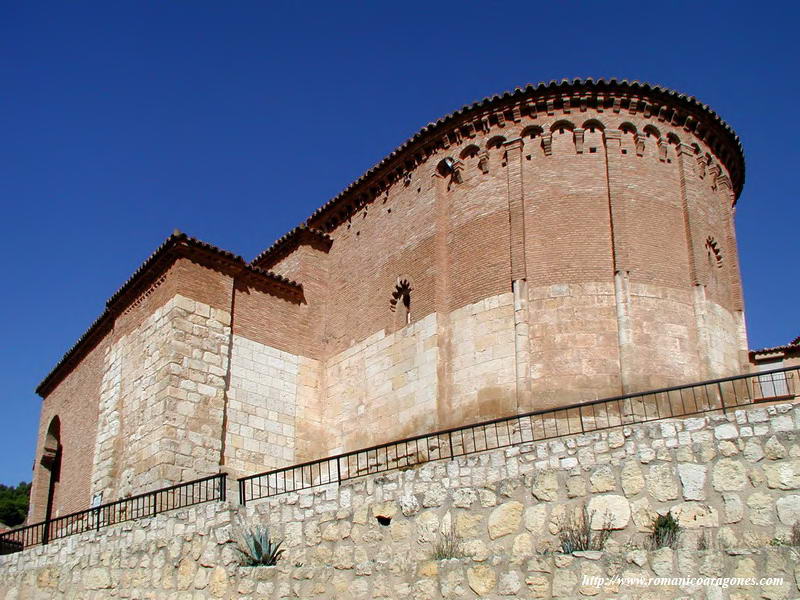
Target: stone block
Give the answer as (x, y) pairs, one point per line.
(693, 480)
(788, 508)
(784, 475)
(505, 519)
(661, 482)
(481, 579)
(609, 510)
(728, 475)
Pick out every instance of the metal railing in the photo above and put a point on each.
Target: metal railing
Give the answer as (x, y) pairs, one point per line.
(144, 505)
(678, 401)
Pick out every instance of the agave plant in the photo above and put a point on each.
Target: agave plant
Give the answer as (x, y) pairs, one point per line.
(259, 549)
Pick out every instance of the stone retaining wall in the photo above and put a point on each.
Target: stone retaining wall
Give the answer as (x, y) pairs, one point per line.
(732, 481)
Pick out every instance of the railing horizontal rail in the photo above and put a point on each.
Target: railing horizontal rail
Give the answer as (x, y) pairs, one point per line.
(149, 504)
(595, 415)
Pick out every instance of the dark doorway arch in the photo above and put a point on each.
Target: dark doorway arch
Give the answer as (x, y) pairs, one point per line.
(51, 461)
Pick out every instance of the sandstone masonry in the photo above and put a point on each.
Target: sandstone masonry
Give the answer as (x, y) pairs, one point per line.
(733, 481)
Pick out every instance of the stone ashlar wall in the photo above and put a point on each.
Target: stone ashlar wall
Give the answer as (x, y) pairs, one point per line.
(269, 389)
(161, 400)
(733, 479)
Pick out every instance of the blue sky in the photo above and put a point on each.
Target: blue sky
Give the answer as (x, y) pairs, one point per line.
(120, 121)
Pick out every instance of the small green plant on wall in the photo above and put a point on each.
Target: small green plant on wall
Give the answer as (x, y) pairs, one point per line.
(576, 534)
(258, 549)
(447, 546)
(666, 531)
(793, 539)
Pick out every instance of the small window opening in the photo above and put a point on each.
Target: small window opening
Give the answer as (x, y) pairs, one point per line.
(384, 521)
(592, 150)
(401, 301)
(624, 151)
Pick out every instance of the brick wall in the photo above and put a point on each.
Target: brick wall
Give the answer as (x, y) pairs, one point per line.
(75, 403)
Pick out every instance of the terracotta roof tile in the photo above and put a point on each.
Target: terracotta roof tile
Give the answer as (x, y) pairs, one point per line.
(288, 241)
(793, 346)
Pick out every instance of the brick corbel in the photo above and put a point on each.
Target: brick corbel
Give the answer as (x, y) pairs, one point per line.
(639, 141)
(458, 168)
(483, 162)
(662, 149)
(547, 143)
(578, 135)
(701, 167)
(714, 171)
(684, 150)
(613, 138)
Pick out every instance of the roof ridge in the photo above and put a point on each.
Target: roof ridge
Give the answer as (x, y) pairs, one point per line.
(286, 239)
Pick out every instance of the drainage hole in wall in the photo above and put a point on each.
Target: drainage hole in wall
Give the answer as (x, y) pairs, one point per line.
(384, 520)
